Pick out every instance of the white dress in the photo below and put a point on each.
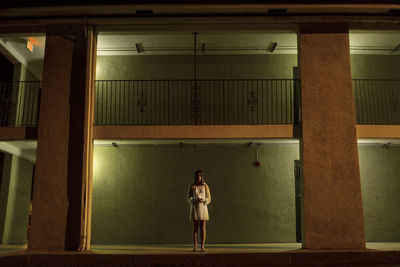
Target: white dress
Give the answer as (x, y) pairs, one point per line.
(199, 211)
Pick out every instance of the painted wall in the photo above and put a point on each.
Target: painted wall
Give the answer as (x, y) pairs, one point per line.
(385, 67)
(380, 185)
(209, 67)
(232, 67)
(22, 73)
(139, 194)
(15, 199)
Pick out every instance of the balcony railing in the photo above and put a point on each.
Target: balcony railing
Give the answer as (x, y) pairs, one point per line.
(19, 103)
(377, 101)
(202, 102)
(174, 102)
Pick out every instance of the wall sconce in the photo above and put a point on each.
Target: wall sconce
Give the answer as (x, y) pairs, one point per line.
(29, 46)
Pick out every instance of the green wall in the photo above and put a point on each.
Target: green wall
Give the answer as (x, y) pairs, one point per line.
(380, 185)
(375, 67)
(15, 199)
(139, 194)
(232, 67)
(208, 67)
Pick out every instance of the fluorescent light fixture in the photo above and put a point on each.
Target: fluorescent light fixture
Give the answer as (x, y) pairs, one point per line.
(139, 48)
(397, 48)
(271, 47)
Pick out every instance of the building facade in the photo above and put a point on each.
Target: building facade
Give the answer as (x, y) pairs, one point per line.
(245, 87)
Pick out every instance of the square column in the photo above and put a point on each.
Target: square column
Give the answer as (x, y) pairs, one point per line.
(62, 174)
(332, 214)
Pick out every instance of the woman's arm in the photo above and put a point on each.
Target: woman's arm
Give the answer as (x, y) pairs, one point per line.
(190, 195)
(208, 195)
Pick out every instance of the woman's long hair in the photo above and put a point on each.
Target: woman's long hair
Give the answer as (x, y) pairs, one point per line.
(196, 173)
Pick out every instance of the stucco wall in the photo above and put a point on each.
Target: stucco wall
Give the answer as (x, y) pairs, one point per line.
(208, 67)
(15, 196)
(375, 66)
(380, 185)
(232, 67)
(139, 194)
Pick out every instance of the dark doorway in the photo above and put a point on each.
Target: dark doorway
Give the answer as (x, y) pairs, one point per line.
(6, 76)
(6, 68)
(298, 199)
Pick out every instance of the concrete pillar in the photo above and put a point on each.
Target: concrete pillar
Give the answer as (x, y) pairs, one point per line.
(64, 141)
(333, 214)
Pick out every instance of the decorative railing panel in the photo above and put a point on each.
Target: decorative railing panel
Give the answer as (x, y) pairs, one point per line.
(19, 103)
(202, 102)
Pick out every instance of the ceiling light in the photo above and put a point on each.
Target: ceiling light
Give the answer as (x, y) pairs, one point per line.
(397, 48)
(139, 48)
(271, 47)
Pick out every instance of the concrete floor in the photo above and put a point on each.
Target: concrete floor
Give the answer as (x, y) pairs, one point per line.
(210, 248)
(216, 255)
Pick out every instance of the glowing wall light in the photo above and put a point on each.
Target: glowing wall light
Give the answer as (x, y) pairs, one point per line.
(29, 46)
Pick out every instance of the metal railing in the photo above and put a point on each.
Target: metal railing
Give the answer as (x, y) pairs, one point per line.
(206, 102)
(377, 101)
(19, 103)
(201, 102)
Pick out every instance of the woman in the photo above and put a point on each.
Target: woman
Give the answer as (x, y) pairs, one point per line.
(199, 197)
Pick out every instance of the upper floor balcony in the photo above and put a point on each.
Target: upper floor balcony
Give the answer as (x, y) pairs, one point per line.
(216, 79)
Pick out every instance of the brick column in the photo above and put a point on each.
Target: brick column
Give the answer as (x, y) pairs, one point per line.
(64, 141)
(332, 214)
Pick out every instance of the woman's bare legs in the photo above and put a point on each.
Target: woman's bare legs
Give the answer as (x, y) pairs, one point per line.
(195, 230)
(203, 234)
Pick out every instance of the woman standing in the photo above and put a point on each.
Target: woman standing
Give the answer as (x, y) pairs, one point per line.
(199, 197)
